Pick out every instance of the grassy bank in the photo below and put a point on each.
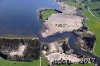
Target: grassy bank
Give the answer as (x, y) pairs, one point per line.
(46, 13)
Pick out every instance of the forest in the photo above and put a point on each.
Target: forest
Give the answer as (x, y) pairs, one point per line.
(30, 53)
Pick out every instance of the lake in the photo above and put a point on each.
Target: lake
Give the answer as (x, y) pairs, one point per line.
(20, 17)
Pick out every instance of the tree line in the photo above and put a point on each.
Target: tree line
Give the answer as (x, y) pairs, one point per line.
(32, 51)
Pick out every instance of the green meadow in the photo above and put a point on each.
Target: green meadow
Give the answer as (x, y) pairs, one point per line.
(15, 63)
(3, 62)
(46, 13)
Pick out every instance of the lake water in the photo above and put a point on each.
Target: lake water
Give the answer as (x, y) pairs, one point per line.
(20, 17)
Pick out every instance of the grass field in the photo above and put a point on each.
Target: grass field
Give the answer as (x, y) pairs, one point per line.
(44, 62)
(14, 63)
(3, 62)
(72, 4)
(93, 6)
(46, 13)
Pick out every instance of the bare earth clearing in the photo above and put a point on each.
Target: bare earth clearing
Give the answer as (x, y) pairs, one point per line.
(62, 22)
(19, 52)
(67, 21)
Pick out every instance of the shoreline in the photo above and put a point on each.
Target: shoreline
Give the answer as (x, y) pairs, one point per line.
(44, 9)
(19, 37)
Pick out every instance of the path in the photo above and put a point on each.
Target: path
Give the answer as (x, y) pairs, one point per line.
(93, 14)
